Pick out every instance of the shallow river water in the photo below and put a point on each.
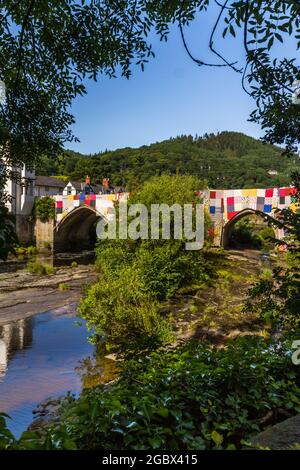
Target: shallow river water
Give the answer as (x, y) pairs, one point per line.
(46, 356)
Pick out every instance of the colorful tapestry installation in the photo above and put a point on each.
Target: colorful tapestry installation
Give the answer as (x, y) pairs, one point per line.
(224, 205)
(103, 203)
(232, 201)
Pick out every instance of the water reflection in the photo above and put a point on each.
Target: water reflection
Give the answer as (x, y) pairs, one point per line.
(13, 337)
(46, 356)
(56, 259)
(66, 259)
(96, 370)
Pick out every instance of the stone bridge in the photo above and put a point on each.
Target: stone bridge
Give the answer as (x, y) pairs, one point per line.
(228, 206)
(76, 215)
(73, 228)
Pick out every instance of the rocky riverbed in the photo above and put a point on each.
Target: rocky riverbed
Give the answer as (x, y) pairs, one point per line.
(23, 294)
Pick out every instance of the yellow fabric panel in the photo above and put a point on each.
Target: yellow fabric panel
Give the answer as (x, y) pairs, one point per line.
(110, 197)
(249, 192)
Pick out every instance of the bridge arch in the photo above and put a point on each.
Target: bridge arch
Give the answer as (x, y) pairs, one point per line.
(229, 226)
(75, 231)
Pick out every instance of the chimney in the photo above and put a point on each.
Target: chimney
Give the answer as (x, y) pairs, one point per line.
(88, 180)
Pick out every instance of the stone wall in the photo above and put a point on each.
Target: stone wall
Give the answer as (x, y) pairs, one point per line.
(44, 234)
(25, 229)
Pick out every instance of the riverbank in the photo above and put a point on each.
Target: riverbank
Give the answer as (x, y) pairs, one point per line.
(215, 311)
(23, 295)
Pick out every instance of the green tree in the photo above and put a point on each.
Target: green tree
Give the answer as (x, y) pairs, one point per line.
(225, 160)
(8, 236)
(44, 208)
(137, 275)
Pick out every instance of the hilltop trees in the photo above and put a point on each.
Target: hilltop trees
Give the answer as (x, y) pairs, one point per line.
(225, 160)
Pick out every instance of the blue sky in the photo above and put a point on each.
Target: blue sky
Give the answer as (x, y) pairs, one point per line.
(172, 96)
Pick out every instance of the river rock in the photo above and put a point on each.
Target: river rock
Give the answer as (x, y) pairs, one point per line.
(284, 435)
(48, 413)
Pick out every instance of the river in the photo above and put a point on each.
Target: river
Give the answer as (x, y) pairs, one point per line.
(45, 356)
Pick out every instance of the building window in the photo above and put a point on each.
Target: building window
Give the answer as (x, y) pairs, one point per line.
(69, 190)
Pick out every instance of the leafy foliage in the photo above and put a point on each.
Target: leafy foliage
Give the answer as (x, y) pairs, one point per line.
(47, 49)
(265, 26)
(173, 400)
(167, 267)
(136, 275)
(193, 397)
(44, 208)
(8, 237)
(251, 232)
(40, 269)
(119, 310)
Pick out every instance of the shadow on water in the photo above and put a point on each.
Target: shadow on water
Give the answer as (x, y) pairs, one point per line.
(46, 356)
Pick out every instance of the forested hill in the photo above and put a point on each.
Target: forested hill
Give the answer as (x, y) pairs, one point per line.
(225, 160)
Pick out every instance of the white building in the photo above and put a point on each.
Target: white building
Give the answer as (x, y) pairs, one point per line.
(21, 193)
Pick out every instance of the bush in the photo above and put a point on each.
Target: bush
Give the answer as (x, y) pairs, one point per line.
(40, 269)
(50, 269)
(63, 287)
(165, 268)
(8, 236)
(26, 251)
(119, 309)
(124, 305)
(47, 246)
(193, 397)
(266, 235)
(44, 208)
(32, 250)
(20, 250)
(74, 264)
(112, 254)
(277, 299)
